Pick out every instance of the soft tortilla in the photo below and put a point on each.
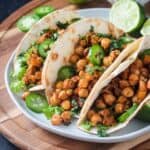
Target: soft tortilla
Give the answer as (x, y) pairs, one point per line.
(143, 44)
(46, 22)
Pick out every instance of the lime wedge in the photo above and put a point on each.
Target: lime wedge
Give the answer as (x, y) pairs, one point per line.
(146, 28)
(127, 15)
(144, 112)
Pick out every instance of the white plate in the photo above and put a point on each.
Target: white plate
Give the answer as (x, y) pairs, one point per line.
(133, 130)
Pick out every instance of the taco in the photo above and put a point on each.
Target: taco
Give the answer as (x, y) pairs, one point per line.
(121, 95)
(88, 50)
(32, 51)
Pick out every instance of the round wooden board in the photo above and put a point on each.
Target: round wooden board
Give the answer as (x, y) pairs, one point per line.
(13, 124)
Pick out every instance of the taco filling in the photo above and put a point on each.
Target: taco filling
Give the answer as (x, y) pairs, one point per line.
(121, 97)
(93, 54)
(28, 65)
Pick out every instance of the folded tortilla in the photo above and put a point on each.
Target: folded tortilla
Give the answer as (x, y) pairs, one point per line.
(137, 46)
(47, 22)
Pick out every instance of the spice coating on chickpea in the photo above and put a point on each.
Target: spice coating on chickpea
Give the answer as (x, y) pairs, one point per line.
(66, 116)
(56, 119)
(83, 93)
(66, 105)
(105, 42)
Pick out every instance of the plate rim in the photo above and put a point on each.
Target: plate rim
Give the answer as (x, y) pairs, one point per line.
(110, 139)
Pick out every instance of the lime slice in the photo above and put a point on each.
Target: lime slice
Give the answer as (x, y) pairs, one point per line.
(127, 15)
(144, 112)
(146, 28)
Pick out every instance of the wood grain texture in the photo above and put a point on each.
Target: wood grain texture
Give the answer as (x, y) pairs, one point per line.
(13, 124)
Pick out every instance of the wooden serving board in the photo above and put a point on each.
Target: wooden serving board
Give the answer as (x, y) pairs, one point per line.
(13, 124)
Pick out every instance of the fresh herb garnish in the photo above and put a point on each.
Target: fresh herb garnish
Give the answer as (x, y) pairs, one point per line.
(92, 69)
(104, 35)
(87, 125)
(75, 108)
(51, 110)
(101, 130)
(62, 25)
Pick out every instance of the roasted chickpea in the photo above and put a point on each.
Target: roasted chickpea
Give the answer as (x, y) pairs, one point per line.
(79, 50)
(59, 85)
(128, 92)
(69, 92)
(68, 84)
(107, 61)
(66, 116)
(100, 104)
(81, 74)
(56, 119)
(95, 39)
(75, 79)
(109, 99)
(125, 74)
(119, 108)
(76, 90)
(147, 59)
(88, 77)
(123, 84)
(74, 58)
(83, 83)
(138, 63)
(133, 79)
(95, 119)
(54, 100)
(25, 94)
(144, 72)
(90, 114)
(63, 95)
(148, 84)
(83, 93)
(66, 105)
(105, 43)
(109, 120)
(81, 64)
(83, 43)
(122, 99)
(105, 112)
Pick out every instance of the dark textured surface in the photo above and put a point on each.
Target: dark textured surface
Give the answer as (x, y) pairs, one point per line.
(6, 8)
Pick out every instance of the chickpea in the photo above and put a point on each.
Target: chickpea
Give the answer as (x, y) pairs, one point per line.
(123, 84)
(81, 74)
(134, 69)
(83, 83)
(69, 92)
(133, 79)
(76, 91)
(105, 43)
(90, 114)
(59, 85)
(95, 39)
(83, 93)
(66, 116)
(54, 100)
(75, 79)
(109, 120)
(119, 108)
(66, 105)
(95, 119)
(83, 43)
(100, 104)
(74, 58)
(88, 77)
(125, 74)
(63, 95)
(38, 75)
(145, 72)
(81, 64)
(146, 59)
(109, 99)
(107, 61)
(148, 84)
(68, 84)
(138, 63)
(56, 119)
(105, 112)
(79, 50)
(122, 99)
(128, 92)
(25, 94)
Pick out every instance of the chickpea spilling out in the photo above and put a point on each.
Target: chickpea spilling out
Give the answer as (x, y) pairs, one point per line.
(70, 92)
(134, 83)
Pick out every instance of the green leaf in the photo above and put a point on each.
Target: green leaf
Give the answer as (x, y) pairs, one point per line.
(92, 69)
(75, 108)
(86, 125)
(128, 113)
(101, 130)
(51, 110)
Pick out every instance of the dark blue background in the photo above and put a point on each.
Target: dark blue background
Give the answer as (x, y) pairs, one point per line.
(6, 8)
